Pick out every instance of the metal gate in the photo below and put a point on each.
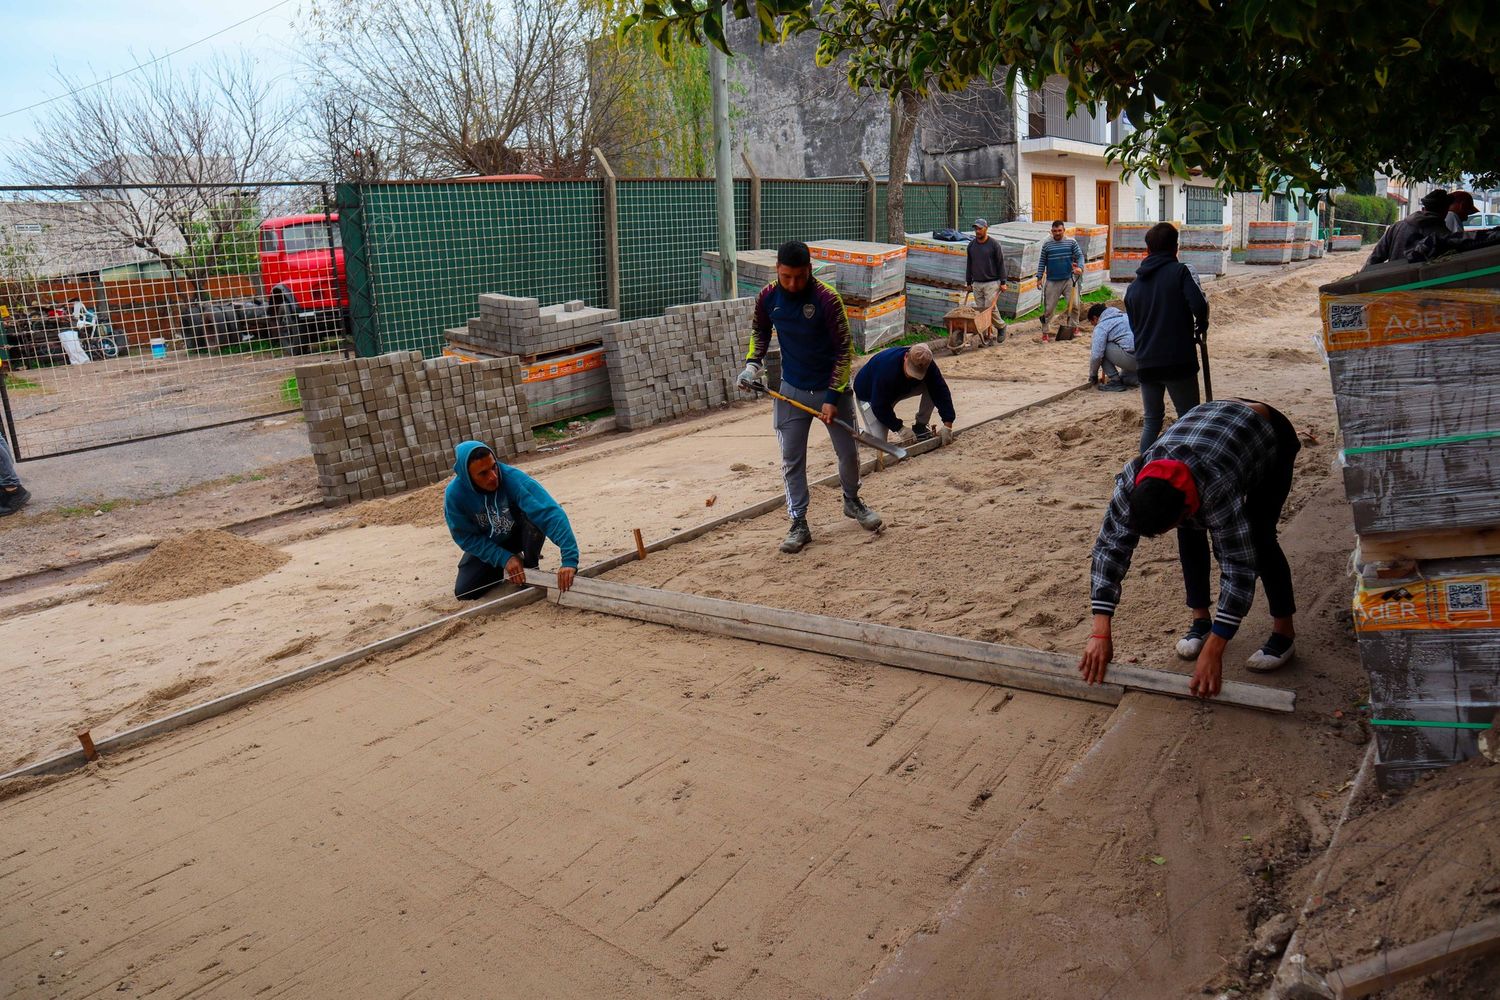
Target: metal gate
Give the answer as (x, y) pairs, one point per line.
(137, 311)
(1205, 206)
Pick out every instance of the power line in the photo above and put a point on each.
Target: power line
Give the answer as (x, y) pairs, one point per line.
(140, 66)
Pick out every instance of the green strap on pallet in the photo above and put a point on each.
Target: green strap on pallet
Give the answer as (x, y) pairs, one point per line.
(1424, 442)
(1424, 724)
(1433, 282)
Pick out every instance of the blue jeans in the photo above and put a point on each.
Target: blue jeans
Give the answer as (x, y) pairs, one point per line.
(8, 477)
(1184, 393)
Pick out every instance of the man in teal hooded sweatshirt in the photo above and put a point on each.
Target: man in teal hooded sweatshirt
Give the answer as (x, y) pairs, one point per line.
(500, 517)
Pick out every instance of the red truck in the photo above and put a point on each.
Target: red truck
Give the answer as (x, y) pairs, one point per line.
(302, 272)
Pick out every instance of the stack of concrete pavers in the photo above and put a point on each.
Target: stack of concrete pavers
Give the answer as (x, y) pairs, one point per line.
(1205, 247)
(1345, 242)
(388, 424)
(872, 283)
(511, 325)
(753, 270)
(663, 367)
(1271, 242)
(1300, 237)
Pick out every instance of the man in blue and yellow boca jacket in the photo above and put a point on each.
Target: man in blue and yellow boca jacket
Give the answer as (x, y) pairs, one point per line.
(817, 359)
(500, 517)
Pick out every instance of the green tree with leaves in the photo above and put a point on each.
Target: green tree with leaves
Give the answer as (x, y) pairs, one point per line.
(1267, 93)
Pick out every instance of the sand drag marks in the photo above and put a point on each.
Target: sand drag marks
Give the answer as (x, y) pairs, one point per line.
(528, 804)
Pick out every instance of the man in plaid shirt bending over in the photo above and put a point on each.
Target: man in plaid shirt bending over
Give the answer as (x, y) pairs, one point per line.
(1224, 468)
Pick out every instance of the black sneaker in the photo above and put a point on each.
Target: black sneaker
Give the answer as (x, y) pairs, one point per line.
(798, 538)
(922, 431)
(11, 501)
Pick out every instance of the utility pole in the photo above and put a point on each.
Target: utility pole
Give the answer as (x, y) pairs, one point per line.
(718, 81)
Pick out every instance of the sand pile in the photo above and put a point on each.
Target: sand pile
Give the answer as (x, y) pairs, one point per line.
(199, 562)
(422, 507)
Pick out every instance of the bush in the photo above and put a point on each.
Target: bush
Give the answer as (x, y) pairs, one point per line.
(1366, 214)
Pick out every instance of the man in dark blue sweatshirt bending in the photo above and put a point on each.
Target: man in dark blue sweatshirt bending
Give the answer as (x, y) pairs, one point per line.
(898, 373)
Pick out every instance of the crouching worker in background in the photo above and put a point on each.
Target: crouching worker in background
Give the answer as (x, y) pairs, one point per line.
(500, 517)
(898, 373)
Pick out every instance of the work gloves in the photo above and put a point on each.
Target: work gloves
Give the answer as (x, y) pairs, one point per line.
(750, 376)
(945, 435)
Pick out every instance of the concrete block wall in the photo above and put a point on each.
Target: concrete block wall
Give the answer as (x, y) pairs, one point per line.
(388, 424)
(507, 324)
(662, 367)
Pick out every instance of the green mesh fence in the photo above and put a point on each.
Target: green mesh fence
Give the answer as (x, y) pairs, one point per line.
(418, 254)
(811, 210)
(988, 202)
(429, 250)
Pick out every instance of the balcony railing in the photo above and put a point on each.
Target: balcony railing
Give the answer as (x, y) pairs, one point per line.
(1047, 116)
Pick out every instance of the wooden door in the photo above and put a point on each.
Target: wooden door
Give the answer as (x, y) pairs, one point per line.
(1049, 198)
(1104, 211)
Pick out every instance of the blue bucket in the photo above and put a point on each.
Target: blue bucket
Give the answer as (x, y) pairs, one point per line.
(158, 347)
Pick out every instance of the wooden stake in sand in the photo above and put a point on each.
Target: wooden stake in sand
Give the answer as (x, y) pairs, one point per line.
(87, 740)
(949, 656)
(640, 545)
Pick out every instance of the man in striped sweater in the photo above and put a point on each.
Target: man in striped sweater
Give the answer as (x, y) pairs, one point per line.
(817, 361)
(1060, 264)
(1223, 469)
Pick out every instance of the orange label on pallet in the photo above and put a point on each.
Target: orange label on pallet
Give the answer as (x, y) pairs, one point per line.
(544, 371)
(1454, 602)
(1096, 265)
(840, 253)
(1130, 255)
(953, 249)
(877, 310)
(1381, 319)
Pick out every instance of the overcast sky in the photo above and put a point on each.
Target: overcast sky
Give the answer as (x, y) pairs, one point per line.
(93, 39)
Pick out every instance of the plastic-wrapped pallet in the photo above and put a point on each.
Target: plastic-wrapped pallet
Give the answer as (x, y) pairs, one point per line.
(754, 270)
(1022, 254)
(1268, 253)
(1299, 249)
(1203, 238)
(1092, 239)
(1124, 263)
(1272, 232)
(1131, 236)
(1206, 261)
(867, 272)
(1022, 297)
(1345, 242)
(877, 323)
(1430, 643)
(936, 262)
(926, 305)
(1095, 274)
(1315, 248)
(1416, 380)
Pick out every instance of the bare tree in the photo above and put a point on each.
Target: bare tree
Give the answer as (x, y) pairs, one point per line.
(208, 133)
(441, 87)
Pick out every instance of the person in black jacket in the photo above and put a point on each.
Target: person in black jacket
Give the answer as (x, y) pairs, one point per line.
(1401, 237)
(1168, 314)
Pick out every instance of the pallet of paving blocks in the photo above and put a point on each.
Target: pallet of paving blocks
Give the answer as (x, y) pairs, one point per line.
(1124, 263)
(1131, 236)
(1300, 238)
(1316, 248)
(867, 272)
(1270, 243)
(1021, 254)
(511, 325)
(877, 323)
(937, 262)
(1022, 296)
(1205, 247)
(687, 361)
(1092, 239)
(1210, 262)
(1095, 275)
(1416, 382)
(754, 270)
(1345, 242)
(561, 387)
(387, 424)
(1430, 643)
(927, 305)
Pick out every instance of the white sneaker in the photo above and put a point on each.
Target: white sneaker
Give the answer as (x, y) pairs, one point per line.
(1262, 662)
(1189, 646)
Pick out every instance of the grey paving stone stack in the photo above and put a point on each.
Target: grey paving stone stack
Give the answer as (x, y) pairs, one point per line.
(663, 367)
(510, 325)
(388, 424)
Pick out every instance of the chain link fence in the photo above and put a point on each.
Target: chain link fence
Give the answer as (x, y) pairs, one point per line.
(135, 311)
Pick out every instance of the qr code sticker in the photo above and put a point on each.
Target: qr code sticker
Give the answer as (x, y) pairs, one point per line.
(1346, 318)
(1467, 597)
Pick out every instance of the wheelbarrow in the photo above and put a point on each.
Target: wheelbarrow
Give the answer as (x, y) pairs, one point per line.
(965, 322)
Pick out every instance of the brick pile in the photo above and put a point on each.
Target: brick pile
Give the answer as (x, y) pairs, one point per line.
(388, 424)
(662, 367)
(1345, 242)
(872, 283)
(1205, 248)
(1271, 242)
(508, 324)
(1300, 238)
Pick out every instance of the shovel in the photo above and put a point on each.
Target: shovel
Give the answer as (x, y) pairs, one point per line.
(863, 437)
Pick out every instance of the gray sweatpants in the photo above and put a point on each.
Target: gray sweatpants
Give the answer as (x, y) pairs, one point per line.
(1052, 292)
(8, 477)
(792, 426)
